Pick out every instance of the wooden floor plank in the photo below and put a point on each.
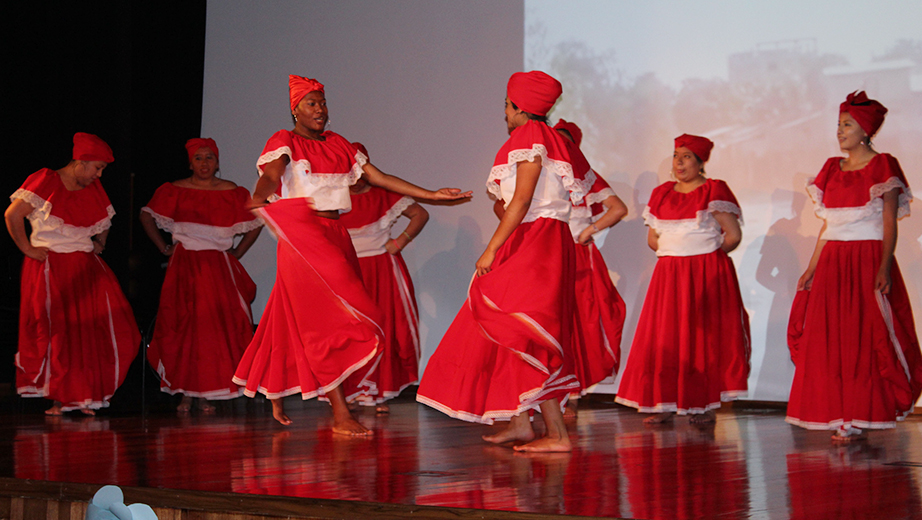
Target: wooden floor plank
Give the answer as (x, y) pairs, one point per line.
(419, 462)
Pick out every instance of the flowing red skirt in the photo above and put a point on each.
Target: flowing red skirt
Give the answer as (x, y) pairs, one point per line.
(319, 326)
(691, 349)
(856, 353)
(599, 319)
(506, 351)
(203, 324)
(77, 334)
(387, 280)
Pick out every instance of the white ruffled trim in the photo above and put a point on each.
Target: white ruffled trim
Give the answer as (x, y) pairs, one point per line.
(202, 230)
(873, 206)
(599, 196)
(723, 206)
(560, 168)
(302, 167)
(702, 220)
(725, 396)
(386, 221)
(42, 211)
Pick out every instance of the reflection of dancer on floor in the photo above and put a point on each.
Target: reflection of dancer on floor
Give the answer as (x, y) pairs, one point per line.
(505, 352)
(852, 336)
(77, 334)
(691, 349)
(387, 279)
(320, 326)
(599, 317)
(204, 321)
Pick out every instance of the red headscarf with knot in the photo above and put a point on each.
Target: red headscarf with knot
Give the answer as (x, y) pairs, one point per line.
(869, 113)
(700, 146)
(88, 147)
(534, 92)
(361, 147)
(299, 87)
(572, 129)
(192, 146)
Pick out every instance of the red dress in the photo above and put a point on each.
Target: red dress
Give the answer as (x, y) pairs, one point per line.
(691, 349)
(855, 351)
(387, 280)
(600, 311)
(320, 326)
(204, 321)
(506, 351)
(77, 334)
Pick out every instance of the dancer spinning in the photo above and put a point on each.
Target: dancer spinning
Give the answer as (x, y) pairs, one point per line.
(320, 325)
(505, 352)
(599, 317)
(852, 336)
(204, 321)
(387, 279)
(77, 334)
(691, 349)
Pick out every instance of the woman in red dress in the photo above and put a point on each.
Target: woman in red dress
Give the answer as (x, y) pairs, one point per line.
(600, 311)
(505, 354)
(320, 326)
(852, 336)
(77, 334)
(691, 349)
(387, 279)
(204, 321)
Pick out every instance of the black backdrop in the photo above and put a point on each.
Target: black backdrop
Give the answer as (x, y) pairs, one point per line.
(130, 72)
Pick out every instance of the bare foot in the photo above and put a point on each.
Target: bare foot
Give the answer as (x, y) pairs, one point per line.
(708, 417)
(88, 411)
(278, 412)
(546, 445)
(519, 429)
(383, 408)
(841, 437)
(349, 426)
(185, 405)
(55, 409)
(570, 411)
(205, 407)
(660, 418)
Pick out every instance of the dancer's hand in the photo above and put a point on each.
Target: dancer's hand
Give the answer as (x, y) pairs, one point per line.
(451, 194)
(37, 253)
(485, 263)
(882, 282)
(806, 281)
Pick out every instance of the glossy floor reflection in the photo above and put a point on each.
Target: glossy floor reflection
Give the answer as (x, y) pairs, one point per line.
(750, 465)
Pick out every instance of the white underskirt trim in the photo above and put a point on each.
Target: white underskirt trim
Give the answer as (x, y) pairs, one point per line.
(727, 396)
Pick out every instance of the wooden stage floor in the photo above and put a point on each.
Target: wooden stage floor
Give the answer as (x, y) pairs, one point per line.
(750, 465)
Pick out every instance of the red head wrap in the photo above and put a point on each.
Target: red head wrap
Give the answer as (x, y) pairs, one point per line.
(700, 146)
(534, 92)
(868, 112)
(299, 87)
(88, 147)
(361, 148)
(572, 129)
(192, 146)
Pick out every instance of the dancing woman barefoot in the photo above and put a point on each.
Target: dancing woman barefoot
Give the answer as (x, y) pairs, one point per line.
(320, 326)
(387, 279)
(691, 349)
(505, 353)
(204, 322)
(77, 334)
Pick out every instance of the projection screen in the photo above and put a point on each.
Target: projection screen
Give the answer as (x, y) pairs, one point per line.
(421, 84)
